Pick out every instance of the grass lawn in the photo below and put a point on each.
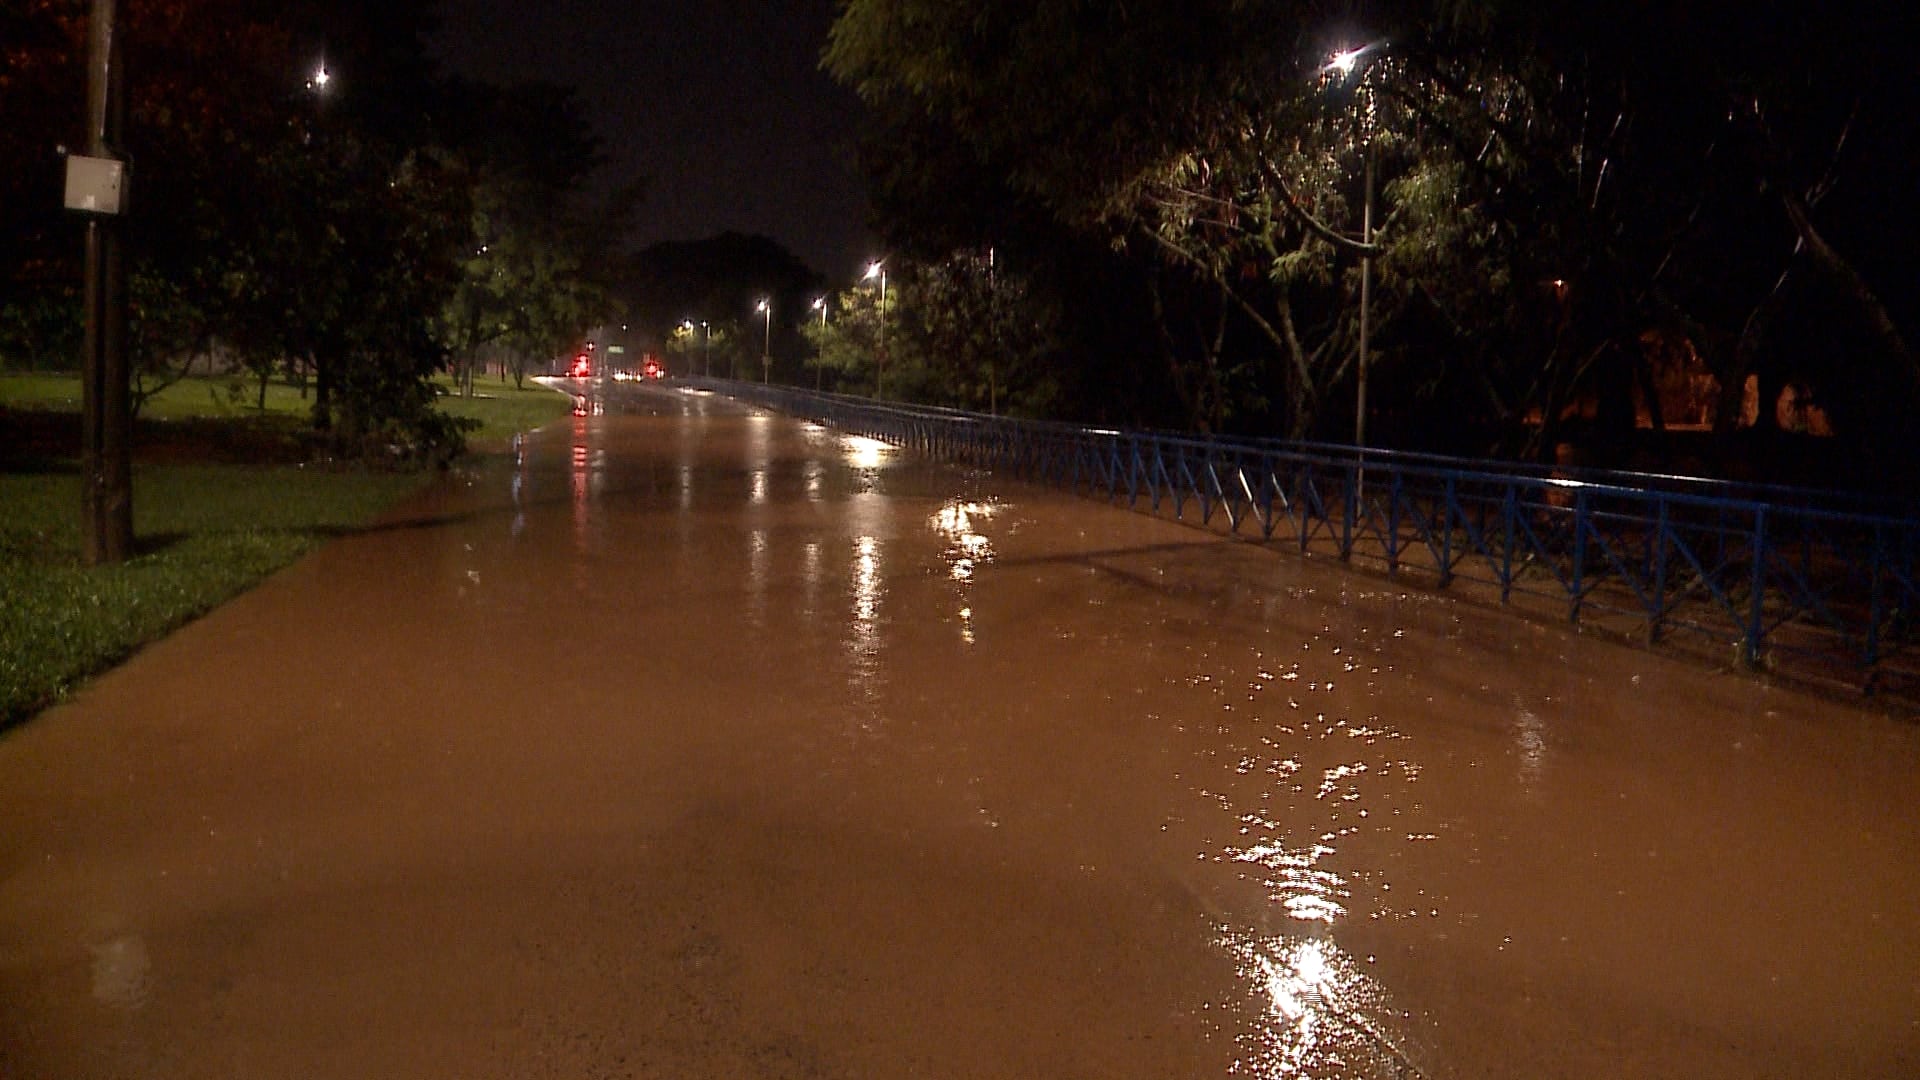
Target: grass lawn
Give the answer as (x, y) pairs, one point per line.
(205, 532)
(501, 409)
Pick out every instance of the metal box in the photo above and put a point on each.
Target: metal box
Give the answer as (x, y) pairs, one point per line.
(95, 185)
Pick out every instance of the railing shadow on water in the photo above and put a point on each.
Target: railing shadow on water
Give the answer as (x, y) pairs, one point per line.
(1816, 587)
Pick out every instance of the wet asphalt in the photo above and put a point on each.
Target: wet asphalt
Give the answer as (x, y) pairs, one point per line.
(689, 741)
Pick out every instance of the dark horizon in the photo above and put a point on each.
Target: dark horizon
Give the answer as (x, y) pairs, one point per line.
(721, 107)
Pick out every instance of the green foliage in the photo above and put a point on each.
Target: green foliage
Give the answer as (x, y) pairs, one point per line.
(1551, 189)
(526, 286)
(285, 227)
(847, 348)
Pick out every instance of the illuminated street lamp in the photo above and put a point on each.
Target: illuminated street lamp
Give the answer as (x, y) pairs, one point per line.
(321, 77)
(707, 365)
(820, 305)
(1344, 64)
(766, 354)
(1345, 61)
(878, 269)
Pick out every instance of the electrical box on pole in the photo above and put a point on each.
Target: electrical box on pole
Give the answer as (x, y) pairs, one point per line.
(96, 185)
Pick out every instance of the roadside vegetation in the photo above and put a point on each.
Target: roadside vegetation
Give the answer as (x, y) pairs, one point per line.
(224, 497)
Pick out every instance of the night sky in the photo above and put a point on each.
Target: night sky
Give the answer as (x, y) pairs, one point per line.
(720, 104)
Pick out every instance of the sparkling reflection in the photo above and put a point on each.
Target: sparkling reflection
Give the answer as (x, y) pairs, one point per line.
(1316, 1013)
(865, 453)
(863, 641)
(1295, 881)
(966, 548)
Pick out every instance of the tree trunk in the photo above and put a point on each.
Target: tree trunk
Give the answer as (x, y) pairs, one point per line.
(322, 394)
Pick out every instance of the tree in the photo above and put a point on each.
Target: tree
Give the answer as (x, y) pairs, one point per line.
(1560, 196)
(40, 73)
(526, 152)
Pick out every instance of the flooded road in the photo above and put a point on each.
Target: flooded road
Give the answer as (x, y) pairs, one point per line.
(693, 742)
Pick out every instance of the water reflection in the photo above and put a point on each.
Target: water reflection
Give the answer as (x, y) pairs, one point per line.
(865, 453)
(757, 562)
(966, 548)
(577, 482)
(1315, 1013)
(1295, 881)
(863, 628)
(810, 578)
(519, 488)
(1530, 746)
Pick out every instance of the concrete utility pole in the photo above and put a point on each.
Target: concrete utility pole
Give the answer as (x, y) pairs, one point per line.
(106, 422)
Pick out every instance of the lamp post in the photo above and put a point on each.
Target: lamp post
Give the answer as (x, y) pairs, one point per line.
(820, 304)
(707, 365)
(766, 353)
(1345, 64)
(878, 269)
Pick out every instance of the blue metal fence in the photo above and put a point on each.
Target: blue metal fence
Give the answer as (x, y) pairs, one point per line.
(1819, 586)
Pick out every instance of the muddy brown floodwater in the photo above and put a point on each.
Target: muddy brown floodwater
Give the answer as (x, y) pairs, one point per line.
(694, 742)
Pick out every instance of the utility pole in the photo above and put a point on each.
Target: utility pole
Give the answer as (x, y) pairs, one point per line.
(106, 422)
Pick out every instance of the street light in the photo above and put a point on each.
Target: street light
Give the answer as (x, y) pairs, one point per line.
(321, 77)
(878, 269)
(707, 365)
(766, 354)
(820, 305)
(1344, 64)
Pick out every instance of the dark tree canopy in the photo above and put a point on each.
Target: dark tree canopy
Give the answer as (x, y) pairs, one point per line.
(370, 231)
(1574, 206)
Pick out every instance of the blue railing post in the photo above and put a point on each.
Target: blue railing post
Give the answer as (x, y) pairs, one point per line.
(1578, 589)
(1873, 601)
(1659, 609)
(1394, 488)
(1353, 507)
(1750, 647)
(1509, 511)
